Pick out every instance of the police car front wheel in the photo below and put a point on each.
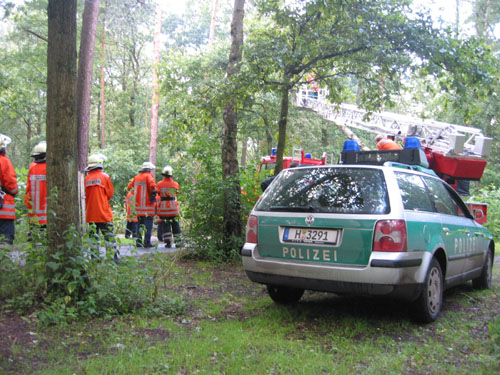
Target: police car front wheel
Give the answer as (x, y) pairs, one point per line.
(484, 280)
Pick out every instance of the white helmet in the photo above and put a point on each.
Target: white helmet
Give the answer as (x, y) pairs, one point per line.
(40, 148)
(147, 166)
(4, 141)
(95, 161)
(167, 171)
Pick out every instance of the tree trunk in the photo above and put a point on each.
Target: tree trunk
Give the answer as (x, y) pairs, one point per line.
(211, 37)
(282, 126)
(155, 102)
(85, 70)
(103, 102)
(269, 136)
(29, 132)
(62, 132)
(244, 149)
(232, 228)
(351, 135)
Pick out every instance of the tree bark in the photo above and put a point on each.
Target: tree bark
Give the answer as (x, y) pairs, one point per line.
(232, 227)
(244, 149)
(269, 136)
(155, 102)
(103, 101)
(62, 132)
(211, 37)
(85, 70)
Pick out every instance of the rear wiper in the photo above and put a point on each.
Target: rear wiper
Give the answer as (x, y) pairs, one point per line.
(293, 209)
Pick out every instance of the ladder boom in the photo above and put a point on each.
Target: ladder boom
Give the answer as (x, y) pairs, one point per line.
(440, 136)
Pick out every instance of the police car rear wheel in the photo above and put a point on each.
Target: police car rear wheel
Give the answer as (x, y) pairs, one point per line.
(284, 295)
(484, 280)
(428, 305)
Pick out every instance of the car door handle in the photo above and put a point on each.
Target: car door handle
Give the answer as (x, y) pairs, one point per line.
(446, 230)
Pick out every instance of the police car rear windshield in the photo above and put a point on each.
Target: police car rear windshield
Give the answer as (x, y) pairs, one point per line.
(328, 190)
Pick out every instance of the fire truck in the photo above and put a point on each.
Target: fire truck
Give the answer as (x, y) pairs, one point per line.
(457, 153)
(267, 163)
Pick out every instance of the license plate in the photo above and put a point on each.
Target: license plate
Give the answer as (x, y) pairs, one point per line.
(311, 235)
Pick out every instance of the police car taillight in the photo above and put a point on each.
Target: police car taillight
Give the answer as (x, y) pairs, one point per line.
(252, 229)
(390, 235)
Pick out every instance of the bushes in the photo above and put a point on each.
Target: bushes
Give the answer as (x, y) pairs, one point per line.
(491, 196)
(85, 287)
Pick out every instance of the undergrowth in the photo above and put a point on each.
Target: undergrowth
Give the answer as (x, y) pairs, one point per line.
(83, 286)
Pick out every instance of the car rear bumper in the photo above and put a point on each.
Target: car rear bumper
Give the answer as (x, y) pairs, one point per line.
(395, 274)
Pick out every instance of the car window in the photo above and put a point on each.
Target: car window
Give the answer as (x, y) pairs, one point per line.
(331, 190)
(443, 200)
(414, 193)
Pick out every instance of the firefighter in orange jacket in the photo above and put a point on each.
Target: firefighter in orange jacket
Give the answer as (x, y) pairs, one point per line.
(98, 191)
(144, 186)
(168, 209)
(35, 198)
(385, 143)
(9, 189)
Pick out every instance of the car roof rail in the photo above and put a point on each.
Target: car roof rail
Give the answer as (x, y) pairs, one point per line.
(412, 167)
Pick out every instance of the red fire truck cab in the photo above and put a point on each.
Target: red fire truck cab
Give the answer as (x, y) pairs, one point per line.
(267, 163)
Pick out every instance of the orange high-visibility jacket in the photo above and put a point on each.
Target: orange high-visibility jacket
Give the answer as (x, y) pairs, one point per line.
(35, 198)
(168, 206)
(98, 191)
(157, 204)
(388, 144)
(8, 181)
(144, 187)
(129, 206)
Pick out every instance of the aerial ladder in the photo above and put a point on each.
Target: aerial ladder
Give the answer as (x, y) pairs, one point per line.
(453, 151)
(456, 153)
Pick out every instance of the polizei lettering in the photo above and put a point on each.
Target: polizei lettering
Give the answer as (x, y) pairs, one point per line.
(325, 255)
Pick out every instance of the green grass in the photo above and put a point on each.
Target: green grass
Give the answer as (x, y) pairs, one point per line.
(232, 327)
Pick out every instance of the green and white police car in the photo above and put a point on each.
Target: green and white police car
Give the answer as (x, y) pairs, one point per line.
(382, 229)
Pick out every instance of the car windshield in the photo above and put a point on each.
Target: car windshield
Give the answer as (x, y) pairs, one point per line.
(329, 190)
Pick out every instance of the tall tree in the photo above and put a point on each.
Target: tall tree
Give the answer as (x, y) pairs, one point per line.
(85, 70)
(211, 36)
(155, 101)
(102, 133)
(62, 134)
(23, 79)
(341, 40)
(232, 216)
(486, 15)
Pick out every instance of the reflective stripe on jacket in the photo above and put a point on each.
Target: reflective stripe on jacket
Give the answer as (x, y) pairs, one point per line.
(35, 198)
(168, 205)
(144, 186)
(98, 191)
(129, 206)
(8, 181)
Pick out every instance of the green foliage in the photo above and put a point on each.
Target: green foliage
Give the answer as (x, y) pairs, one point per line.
(23, 80)
(202, 192)
(188, 32)
(83, 286)
(491, 196)
(494, 331)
